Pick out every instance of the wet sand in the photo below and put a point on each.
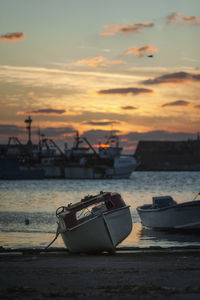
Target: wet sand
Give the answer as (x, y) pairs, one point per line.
(134, 274)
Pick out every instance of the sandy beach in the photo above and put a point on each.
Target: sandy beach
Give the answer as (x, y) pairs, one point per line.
(133, 274)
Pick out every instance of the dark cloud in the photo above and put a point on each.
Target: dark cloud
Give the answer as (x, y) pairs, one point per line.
(101, 123)
(176, 103)
(14, 36)
(47, 111)
(11, 130)
(95, 135)
(14, 130)
(157, 135)
(196, 77)
(128, 107)
(178, 77)
(55, 132)
(130, 90)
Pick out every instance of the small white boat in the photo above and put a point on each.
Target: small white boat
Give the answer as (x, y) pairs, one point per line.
(165, 213)
(95, 224)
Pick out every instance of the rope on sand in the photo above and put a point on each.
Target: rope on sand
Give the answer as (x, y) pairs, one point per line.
(57, 234)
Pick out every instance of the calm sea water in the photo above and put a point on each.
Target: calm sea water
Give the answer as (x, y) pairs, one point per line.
(37, 200)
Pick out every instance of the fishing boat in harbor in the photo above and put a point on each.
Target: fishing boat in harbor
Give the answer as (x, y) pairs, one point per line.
(11, 169)
(106, 163)
(166, 214)
(81, 161)
(95, 224)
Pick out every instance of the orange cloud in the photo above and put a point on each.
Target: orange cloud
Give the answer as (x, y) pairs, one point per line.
(14, 36)
(126, 29)
(141, 51)
(99, 61)
(178, 77)
(191, 20)
(176, 17)
(109, 30)
(136, 27)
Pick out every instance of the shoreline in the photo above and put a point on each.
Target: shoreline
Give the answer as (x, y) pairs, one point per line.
(129, 274)
(123, 249)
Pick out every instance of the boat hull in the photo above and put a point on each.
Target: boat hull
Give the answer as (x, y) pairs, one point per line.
(101, 233)
(53, 171)
(181, 216)
(10, 169)
(79, 172)
(118, 173)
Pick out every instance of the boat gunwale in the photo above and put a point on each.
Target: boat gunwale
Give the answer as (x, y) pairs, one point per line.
(178, 205)
(87, 202)
(95, 217)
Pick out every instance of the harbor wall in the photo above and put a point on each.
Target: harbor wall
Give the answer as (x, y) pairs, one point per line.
(168, 155)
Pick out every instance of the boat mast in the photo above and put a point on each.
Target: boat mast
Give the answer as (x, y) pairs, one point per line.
(28, 121)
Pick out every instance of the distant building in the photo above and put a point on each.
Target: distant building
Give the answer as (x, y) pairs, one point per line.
(168, 155)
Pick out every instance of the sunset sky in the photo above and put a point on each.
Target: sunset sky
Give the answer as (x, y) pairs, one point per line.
(94, 66)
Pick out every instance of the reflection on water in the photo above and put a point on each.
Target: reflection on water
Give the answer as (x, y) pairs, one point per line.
(146, 237)
(169, 238)
(37, 201)
(139, 237)
(26, 240)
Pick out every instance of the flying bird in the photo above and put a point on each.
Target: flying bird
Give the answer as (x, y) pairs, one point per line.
(151, 55)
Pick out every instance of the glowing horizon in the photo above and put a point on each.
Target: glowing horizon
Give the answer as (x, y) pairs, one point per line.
(134, 74)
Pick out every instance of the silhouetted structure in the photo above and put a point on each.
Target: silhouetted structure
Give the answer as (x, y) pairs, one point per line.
(168, 155)
(28, 121)
(25, 161)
